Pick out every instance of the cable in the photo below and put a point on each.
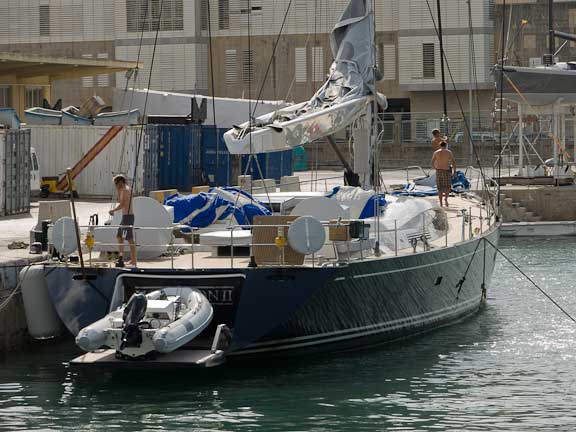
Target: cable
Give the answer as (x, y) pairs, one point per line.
(271, 57)
(216, 137)
(141, 135)
(548, 296)
(501, 96)
(466, 124)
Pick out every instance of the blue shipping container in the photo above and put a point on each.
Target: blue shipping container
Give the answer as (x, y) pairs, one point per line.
(217, 161)
(179, 156)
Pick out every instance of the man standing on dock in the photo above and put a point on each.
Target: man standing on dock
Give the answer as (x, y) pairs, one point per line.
(444, 163)
(126, 230)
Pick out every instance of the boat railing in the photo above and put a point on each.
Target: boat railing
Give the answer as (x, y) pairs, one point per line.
(340, 248)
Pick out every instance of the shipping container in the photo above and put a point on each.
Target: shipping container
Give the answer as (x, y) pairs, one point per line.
(217, 162)
(14, 171)
(180, 156)
(61, 147)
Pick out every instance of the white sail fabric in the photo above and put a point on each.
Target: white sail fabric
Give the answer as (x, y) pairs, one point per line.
(344, 97)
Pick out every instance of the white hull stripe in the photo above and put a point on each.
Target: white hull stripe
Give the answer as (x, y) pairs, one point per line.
(358, 332)
(368, 275)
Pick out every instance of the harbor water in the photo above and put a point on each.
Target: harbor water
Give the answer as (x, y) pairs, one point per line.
(510, 368)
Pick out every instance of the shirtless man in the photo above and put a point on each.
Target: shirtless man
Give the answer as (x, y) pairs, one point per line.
(437, 139)
(125, 231)
(444, 164)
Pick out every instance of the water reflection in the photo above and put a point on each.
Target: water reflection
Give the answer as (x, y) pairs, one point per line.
(510, 368)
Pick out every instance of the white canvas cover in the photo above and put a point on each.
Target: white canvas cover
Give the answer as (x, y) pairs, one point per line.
(344, 97)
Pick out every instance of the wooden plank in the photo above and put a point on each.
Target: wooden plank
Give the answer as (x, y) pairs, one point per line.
(179, 358)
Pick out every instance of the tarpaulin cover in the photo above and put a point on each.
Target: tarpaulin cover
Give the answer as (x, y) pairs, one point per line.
(204, 209)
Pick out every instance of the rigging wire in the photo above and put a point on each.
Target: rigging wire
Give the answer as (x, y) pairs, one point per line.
(272, 57)
(466, 120)
(141, 134)
(485, 239)
(211, 55)
(548, 296)
(134, 76)
(501, 96)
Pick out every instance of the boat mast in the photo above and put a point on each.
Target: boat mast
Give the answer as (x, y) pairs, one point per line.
(445, 117)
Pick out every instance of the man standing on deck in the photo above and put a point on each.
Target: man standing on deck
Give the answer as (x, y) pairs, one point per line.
(444, 164)
(437, 139)
(126, 231)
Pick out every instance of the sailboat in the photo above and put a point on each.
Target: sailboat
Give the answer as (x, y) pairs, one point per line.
(540, 85)
(345, 270)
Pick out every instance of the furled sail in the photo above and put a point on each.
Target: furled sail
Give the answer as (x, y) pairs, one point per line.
(344, 97)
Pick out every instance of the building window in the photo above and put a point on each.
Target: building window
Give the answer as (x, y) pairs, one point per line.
(34, 97)
(87, 81)
(224, 14)
(490, 7)
(44, 20)
(248, 66)
(231, 75)
(388, 67)
(300, 65)
(204, 14)
(103, 79)
(428, 61)
(251, 7)
(144, 15)
(318, 64)
(5, 100)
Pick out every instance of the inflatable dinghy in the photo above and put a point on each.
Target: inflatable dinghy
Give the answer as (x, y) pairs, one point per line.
(158, 322)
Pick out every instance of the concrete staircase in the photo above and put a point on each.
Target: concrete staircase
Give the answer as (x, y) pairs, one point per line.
(515, 212)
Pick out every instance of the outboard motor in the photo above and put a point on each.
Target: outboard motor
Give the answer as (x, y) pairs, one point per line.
(133, 314)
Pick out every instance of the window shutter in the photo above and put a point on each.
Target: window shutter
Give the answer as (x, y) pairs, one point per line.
(428, 61)
(301, 69)
(247, 66)
(318, 64)
(44, 18)
(231, 66)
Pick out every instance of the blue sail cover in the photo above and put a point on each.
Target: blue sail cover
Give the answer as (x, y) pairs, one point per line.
(207, 208)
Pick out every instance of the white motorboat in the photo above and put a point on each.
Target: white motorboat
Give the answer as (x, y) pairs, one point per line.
(158, 322)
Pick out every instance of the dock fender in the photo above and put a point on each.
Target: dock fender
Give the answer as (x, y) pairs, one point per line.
(42, 319)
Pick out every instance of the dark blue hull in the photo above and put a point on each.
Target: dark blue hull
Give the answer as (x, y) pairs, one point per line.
(274, 311)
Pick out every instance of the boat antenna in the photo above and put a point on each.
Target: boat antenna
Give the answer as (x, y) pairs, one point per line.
(441, 39)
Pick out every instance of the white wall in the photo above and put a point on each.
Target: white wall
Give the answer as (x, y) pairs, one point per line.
(60, 147)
